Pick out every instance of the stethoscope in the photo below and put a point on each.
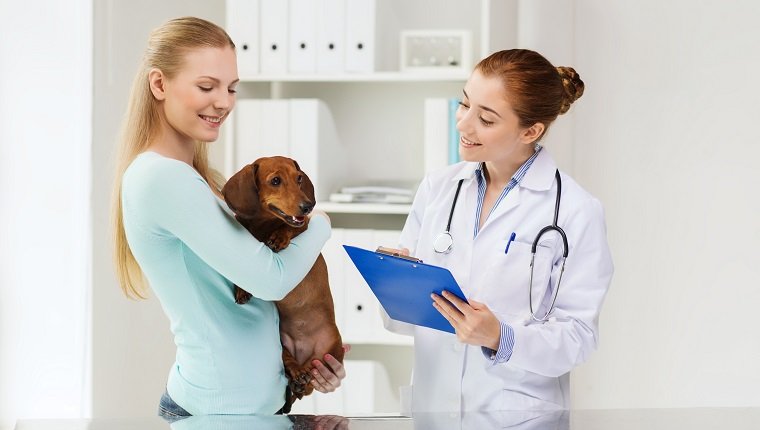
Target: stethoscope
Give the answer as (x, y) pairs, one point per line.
(444, 242)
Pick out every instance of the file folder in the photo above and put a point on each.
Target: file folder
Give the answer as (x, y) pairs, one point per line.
(243, 27)
(331, 29)
(273, 39)
(360, 48)
(403, 286)
(303, 36)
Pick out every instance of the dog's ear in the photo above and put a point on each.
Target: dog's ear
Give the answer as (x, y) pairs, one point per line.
(241, 192)
(306, 186)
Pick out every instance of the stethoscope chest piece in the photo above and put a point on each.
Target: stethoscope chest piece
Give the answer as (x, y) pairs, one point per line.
(443, 243)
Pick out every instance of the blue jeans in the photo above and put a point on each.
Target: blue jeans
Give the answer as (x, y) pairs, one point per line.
(171, 411)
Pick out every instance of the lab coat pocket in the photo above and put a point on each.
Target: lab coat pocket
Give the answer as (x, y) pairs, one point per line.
(506, 283)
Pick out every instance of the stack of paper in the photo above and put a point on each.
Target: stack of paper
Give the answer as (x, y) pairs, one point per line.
(373, 194)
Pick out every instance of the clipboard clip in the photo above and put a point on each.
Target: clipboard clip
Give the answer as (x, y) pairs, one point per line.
(384, 251)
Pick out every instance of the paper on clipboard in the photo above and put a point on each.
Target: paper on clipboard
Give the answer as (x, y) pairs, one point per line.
(403, 286)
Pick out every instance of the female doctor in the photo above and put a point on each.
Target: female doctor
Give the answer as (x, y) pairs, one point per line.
(530, 318)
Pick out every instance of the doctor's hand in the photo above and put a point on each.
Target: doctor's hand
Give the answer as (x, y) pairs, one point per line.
(402, 251)
(327, 380)
(474, 323)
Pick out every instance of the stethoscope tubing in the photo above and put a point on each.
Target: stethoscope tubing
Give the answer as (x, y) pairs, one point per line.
(444, 243)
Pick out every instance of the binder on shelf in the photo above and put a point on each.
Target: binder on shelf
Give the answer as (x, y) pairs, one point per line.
(315, 145)
(331, 29)
(302, 50)
(441, 137)
(261, 130)
(360, 36)
(362, 318)
(242, 24)
(453, 133)
(403, 286)
(335, 258)
(436, 140)
(273, 40)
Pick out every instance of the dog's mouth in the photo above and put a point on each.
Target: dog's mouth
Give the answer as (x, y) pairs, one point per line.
(293, 221)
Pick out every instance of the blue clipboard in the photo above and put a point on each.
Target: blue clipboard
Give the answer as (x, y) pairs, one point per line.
(403, 286)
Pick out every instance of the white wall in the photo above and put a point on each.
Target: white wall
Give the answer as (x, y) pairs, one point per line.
(666, 136)
(45, 138)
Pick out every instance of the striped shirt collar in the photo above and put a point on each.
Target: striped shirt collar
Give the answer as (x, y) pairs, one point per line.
(516, 178)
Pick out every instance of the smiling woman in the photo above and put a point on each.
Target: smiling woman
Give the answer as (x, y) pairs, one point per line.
(173, 230)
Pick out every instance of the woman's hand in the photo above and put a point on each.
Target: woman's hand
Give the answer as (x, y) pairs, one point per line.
(474, 323)
(402, 251)
(327, 380)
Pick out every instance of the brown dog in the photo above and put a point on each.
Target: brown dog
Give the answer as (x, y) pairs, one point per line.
(271, 199)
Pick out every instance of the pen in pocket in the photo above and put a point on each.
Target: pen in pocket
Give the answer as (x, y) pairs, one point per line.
(511, 239)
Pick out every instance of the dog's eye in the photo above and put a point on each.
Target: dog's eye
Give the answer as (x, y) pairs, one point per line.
(299, 179)
(275, 181)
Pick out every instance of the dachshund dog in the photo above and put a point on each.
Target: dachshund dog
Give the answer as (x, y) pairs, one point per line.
(271, 199)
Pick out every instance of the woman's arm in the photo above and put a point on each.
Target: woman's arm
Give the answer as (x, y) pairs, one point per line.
(171, 200)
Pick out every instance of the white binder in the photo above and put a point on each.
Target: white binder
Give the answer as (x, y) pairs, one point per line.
(436, 134)
(302, 44)
(362, 308)
(360, 36)
(243, 28)
(274, 36)
(315, 145)
(261, 130)
(331, 29)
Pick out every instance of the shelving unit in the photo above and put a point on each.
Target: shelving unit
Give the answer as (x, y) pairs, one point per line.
(361, 77)
(364, 208)
(379, 118)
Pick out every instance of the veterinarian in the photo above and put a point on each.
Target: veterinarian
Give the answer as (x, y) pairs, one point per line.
(174, 231)
(515, 345)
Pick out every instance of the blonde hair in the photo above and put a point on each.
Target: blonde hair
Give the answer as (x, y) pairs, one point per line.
(166, 50)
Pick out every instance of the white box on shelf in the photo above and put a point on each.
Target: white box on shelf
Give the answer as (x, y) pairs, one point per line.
(436, 51)
(367, 388)
(274, 36)
(360, 36)
(243, 27)
(302, 40)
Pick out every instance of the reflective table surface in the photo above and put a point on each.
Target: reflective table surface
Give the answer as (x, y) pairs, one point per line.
(625, 419)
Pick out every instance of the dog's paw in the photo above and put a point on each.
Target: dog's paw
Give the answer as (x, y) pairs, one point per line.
(241, 296)
(278, 242)
(299, 380)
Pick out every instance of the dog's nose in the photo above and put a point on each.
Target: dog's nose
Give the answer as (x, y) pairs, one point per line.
(306, 207)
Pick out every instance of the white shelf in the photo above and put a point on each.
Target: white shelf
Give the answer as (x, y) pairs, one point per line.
(365, 208)
(442, 76)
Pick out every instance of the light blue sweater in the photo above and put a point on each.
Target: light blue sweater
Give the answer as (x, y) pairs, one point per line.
(192, 250)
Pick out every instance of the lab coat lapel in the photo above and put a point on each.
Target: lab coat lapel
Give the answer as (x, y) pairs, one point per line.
(539, 177)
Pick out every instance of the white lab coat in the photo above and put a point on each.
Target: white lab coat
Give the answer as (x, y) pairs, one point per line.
(451, 376)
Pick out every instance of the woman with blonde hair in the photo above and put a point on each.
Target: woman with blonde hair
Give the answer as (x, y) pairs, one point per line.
(173, 230)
